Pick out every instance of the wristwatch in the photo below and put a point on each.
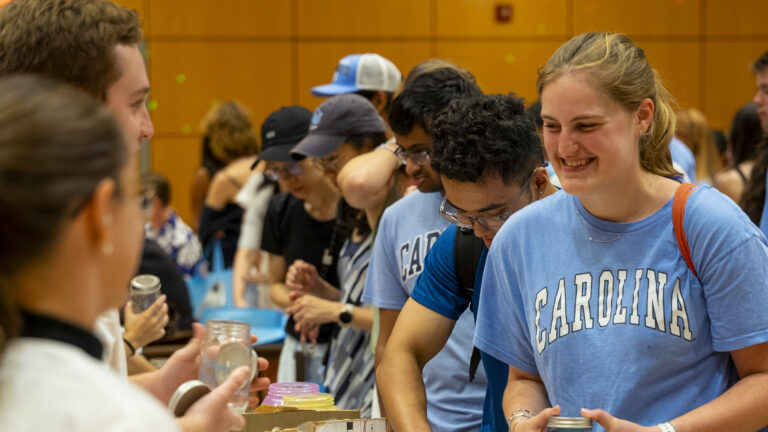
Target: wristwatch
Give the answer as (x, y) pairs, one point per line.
(345, 317)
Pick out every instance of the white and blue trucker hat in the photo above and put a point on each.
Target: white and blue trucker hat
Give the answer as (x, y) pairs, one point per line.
(357, 72)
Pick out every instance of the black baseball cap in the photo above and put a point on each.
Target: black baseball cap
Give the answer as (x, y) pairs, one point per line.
(336, 119)
(281, 131)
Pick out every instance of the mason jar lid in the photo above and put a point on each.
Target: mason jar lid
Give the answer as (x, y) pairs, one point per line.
(569, 422)
(145, 283)
(186, 395)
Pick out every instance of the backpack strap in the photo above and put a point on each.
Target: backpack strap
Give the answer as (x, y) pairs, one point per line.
(678, 213)
(467, 249)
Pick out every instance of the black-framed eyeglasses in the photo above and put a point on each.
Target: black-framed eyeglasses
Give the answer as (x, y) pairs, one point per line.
(492, 223)
(290, 169)
(419, 158)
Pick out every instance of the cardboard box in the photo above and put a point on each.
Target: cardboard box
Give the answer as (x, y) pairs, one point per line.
(360, 425)
(292, 418)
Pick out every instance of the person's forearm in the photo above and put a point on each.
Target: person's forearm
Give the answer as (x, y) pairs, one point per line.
(524, 394)
(139, 364)
(150, 382)
(244, 259)
(362, 318)
(365, 178)
(741, 408)
(278, 292)
(402, 391)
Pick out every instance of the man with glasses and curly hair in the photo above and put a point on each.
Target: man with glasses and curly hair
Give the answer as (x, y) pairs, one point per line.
(501, 170)
(406, 232)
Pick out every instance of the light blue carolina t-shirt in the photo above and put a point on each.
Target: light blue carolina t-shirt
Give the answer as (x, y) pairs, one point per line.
(407, 231)
(609, 315)
(683, 159)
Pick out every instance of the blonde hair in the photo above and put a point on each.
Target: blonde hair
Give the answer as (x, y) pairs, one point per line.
(692, 129)
(618, 68)
(230, 131)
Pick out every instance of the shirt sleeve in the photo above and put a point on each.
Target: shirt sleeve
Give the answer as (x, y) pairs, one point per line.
(384, 283)
(272, 239)
(501, 327)
(437, 288)
(731, 257)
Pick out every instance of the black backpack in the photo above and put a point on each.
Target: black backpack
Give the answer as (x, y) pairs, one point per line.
(466, 256)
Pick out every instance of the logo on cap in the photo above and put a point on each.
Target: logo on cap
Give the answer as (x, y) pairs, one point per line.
(316, 117)
(271, 134)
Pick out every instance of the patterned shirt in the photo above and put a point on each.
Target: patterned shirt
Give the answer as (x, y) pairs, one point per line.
(179, 241)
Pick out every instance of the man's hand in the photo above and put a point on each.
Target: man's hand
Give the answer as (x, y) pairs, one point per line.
(537, 423)
(184, 365)
(210, 413)
(613, 424)
(148, 326)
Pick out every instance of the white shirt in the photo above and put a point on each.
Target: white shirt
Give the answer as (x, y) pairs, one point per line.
(49, 385)
(107, 328)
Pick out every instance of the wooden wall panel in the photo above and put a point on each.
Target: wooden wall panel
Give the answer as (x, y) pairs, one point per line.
(729, 81)
(649, 17)
(220, 18)
(501, 67)
(742, 17)
(678, 65)
(177, 159)
(394, 18)
(478, 18)
(318, 60)
(255, 73)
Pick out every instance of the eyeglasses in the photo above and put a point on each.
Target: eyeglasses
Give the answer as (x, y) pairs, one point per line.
(420, 158)
(290, 169)
(492, 223)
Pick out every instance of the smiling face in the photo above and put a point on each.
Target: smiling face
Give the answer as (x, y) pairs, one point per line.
(424, 176)
(592, 141)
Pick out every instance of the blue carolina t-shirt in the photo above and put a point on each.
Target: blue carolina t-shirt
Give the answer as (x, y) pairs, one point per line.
(407, 231)
(438, 289)
(609, 315)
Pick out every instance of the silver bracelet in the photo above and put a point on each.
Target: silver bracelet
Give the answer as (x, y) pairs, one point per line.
(666, 427)
(517, 414)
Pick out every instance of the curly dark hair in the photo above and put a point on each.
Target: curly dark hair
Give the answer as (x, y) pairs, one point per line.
(486, 136)
(423, 98)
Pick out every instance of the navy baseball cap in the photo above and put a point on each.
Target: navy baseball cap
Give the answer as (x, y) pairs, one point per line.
(336, 119)
(281, 131)
(358, 72)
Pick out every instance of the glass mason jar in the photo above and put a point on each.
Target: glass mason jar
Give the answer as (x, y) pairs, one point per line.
(145, 289)
(226, 347)
(280, 389)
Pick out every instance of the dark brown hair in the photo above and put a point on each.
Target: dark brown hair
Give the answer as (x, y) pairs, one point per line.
(56, 145)
(69, 40)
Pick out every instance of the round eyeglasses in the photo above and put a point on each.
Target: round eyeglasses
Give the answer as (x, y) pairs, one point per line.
(289, 169)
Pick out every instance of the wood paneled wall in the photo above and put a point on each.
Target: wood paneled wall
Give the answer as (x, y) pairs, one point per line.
(269, 53)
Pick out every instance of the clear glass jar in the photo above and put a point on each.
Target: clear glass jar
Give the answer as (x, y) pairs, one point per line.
(311, 401)
(569, 424)
(278, 390)
(226, 347)
(145, 289)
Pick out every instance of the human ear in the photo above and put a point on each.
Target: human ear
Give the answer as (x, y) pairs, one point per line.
(538, 183)
(644, 115)
(379, 101)
(99, 216)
